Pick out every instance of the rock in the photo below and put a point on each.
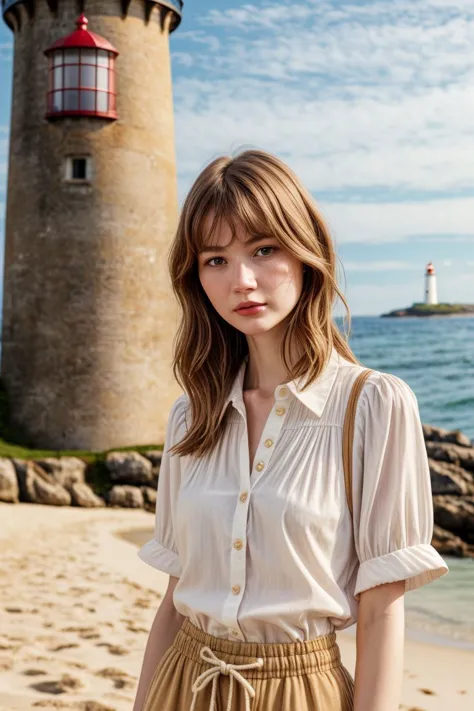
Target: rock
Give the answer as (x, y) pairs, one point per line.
(154, 455)
(37, 487)
(26, 471)
(455, 514)
(149, 498)
(447, 543)
(127, 497)
(64, 470)
(50, 494)
(129, 468)
(438, 434)
(450, 479)
(82, 495)
(453, 453)
(9, 490)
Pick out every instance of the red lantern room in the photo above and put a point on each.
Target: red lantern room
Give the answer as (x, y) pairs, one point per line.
(81, 75)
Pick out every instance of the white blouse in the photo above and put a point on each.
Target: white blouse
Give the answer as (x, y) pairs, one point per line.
(272, 555)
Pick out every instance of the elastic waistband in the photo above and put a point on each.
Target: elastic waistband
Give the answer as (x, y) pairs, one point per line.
(280, 660)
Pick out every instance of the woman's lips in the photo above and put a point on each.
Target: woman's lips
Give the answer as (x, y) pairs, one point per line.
(249, 310)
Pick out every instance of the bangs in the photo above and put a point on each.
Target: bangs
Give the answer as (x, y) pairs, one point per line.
(233, 205)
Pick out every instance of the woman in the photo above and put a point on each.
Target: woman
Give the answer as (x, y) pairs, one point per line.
(252, 523)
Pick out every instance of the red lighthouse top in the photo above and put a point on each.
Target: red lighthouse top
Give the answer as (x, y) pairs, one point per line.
(430, 268)
(82, 38)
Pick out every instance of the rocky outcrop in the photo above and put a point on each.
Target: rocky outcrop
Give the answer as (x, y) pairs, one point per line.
(149, 498)
(64, 470)
(451, 459)
(447, 543)
(83, 496)
(127, 497)
(130, 468)
(9, 490)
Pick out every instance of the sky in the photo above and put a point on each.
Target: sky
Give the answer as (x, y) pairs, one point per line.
(370, 103)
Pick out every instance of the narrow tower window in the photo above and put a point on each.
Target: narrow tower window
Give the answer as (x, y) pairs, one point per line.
(78, 169)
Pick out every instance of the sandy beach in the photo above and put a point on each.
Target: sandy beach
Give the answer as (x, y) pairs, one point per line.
(76, 604)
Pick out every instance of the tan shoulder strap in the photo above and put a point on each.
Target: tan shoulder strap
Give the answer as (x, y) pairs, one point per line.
(348, 432)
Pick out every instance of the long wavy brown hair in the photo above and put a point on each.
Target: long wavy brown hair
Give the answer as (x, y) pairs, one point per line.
(260, 193)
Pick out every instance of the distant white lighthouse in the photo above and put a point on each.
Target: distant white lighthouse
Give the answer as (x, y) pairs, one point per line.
(431, 292)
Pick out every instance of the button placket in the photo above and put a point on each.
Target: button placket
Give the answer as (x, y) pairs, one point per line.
(238, 551)
(263, 455)
(271, 431)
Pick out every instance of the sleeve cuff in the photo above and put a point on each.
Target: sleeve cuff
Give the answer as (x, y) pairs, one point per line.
(417, 565)
(160, 557)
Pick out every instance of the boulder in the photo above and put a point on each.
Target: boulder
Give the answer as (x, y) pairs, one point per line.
(452, 453)
(127, 497)
(64, 470)
(450, 479)
(49, 493)
(9, 490)
(130, 468)
(38, 487)
(82, 495)
(455, 514)
(438, 434)
(149, 498)
(154, 455)
(446, 543)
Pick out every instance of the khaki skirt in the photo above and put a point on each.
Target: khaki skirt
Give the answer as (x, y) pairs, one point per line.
(200, 672)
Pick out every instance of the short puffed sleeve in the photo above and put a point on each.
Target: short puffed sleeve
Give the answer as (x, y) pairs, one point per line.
(393, 506)
(161, 551)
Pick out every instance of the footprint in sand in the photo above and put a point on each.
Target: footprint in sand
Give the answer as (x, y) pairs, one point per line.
(120, 679)
(428, 692)
(34, 672)
(134, 628)
(60, 647)
(59, 686)
(114, 648)
(142, 602)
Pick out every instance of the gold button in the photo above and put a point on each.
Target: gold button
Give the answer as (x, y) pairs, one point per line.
(236, 589)
(235, 632)
(280, 411)
(283, 392)
(238, 545)
(259, 466)
(268, 442)
(243, 497)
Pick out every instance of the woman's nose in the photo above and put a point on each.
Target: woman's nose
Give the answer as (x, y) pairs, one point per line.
(244, 275)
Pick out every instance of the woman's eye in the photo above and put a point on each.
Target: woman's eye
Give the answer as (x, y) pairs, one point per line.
(211, 260)
(270, 248)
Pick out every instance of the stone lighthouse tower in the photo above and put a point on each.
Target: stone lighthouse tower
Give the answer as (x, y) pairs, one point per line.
(88, 313)
(431, 292)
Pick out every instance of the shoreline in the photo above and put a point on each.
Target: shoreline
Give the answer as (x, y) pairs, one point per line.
(77, 604)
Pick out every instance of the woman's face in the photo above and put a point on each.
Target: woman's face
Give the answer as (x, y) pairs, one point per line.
(256, 269)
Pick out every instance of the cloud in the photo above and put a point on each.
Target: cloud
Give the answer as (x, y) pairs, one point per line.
(380, 266)
(360, 99)
(394, 222)
(6, 51)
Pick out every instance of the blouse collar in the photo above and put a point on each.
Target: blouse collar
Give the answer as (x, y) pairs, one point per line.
(314, 397)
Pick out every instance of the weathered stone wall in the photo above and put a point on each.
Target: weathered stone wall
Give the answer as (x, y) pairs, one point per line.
(88, 315)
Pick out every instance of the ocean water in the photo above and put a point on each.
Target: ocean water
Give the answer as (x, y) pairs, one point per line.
(435, 356)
